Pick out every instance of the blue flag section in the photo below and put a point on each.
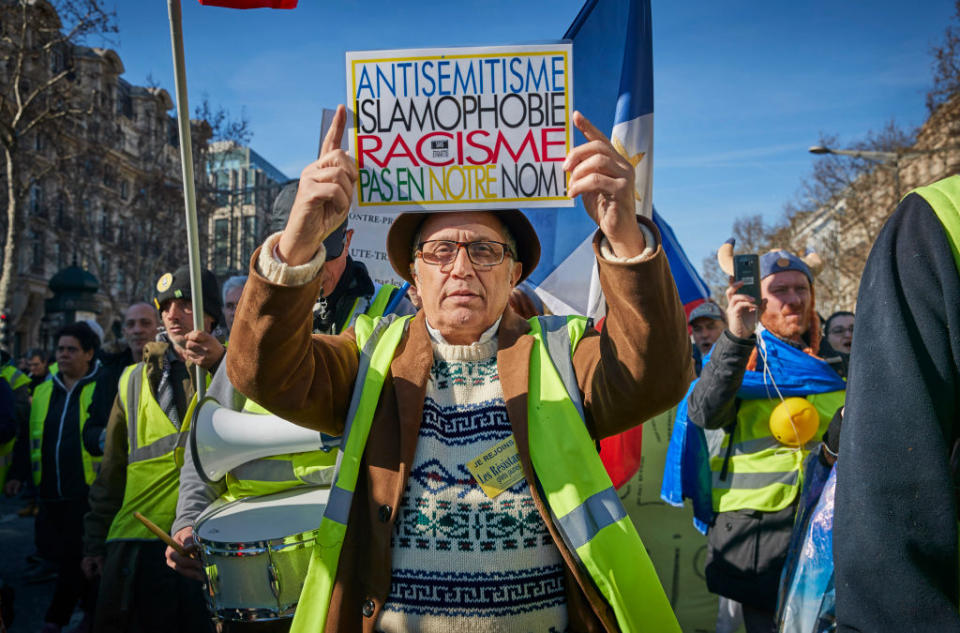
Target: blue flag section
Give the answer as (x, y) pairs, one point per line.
(691, 287)
(613, 87)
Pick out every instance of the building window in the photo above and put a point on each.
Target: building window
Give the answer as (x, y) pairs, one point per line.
(56, 61)
(249, 233)
(38, 254)
(105, 224)
(36, 199)
(221, 246)
(124, 189)
(109, 177)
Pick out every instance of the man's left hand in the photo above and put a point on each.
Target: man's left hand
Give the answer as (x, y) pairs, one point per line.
(203, 349)
(605, 179)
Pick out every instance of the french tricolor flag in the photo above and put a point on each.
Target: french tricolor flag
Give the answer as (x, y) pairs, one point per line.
(613, 87)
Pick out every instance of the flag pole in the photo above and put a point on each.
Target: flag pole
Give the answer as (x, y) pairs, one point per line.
(186, 162)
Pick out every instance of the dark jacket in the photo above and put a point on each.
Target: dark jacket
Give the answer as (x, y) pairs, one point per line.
(112, 366)
(895, 530)
(331, 314)
(8, 419)
(60, 457)
(627, 374)
(839, 361)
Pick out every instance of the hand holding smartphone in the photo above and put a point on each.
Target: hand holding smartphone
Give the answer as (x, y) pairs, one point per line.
(746, 268)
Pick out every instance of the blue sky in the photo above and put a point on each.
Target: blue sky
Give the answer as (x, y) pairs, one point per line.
(741, 89)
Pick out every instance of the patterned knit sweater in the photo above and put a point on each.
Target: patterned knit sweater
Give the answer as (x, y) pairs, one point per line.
(463, 562)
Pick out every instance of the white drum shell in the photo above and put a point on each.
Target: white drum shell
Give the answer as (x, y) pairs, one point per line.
(256, 551)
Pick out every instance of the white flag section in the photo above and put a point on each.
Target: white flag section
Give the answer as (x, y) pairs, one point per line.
(563, 289)
(633, 139)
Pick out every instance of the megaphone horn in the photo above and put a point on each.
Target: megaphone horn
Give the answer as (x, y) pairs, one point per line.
(224, 439)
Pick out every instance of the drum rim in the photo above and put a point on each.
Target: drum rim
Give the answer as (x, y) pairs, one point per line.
(239, 614)
(258, 546)
(253, 548)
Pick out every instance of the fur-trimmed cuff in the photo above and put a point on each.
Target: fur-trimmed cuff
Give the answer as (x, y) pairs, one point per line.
(279, 272)
(648, 239)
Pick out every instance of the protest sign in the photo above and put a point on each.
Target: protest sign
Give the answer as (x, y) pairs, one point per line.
(460, 128)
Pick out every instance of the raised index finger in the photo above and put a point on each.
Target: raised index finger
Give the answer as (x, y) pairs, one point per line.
(589, 130)
(334, 136)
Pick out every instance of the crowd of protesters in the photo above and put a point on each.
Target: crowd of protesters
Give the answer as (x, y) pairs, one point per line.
(756, 393)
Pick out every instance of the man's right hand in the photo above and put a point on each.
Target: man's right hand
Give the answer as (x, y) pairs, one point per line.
(12, 488)
(742, 311)
(189, 565)
(323, 197)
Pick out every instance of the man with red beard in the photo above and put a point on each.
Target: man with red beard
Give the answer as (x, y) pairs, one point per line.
(756, 479)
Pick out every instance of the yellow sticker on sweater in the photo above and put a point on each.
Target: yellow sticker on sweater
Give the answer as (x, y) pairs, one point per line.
(497, 468)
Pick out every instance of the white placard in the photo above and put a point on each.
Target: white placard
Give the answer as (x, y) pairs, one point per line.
(460, 128)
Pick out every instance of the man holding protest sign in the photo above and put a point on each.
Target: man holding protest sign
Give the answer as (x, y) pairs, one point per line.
(470, 433)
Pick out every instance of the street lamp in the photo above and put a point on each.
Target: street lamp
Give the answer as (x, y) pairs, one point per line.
(880, 157)
(890, 160)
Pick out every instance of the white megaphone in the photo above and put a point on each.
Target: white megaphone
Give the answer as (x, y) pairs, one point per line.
(222, 438)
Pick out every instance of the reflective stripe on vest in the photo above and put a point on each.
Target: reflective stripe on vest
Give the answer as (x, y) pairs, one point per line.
(14, 377)
(154, 456)
(577, 489)
(276, 473)
(38, 415)
(586, 509)
(757, 472)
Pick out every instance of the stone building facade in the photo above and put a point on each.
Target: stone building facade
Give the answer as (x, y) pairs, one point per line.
(104, 192)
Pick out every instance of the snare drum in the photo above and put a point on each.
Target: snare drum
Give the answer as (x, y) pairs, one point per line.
(256, 551)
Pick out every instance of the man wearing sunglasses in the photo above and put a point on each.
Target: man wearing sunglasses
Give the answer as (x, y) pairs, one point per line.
(347, 289)
(470, 493)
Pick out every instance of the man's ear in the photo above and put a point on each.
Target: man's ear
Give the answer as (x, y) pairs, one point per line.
(347, 236)
(413, 273)
(515, 273)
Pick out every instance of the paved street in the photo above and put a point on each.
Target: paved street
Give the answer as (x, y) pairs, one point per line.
(16, 542)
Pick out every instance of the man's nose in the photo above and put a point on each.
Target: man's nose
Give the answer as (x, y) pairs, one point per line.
(462, 266)
(793, 299)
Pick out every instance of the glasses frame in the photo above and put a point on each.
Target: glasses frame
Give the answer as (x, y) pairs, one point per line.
(838, 331)
(507, 250)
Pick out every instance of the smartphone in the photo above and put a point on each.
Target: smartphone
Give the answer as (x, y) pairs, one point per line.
(746, 268)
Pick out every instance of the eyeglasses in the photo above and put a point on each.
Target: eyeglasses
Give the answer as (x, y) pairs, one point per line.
(483, 253)
(841, 330)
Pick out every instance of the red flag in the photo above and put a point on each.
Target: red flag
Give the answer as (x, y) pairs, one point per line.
(620, 453)
(251, 4)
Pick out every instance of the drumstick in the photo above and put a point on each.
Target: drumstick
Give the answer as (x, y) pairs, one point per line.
(163, 536)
